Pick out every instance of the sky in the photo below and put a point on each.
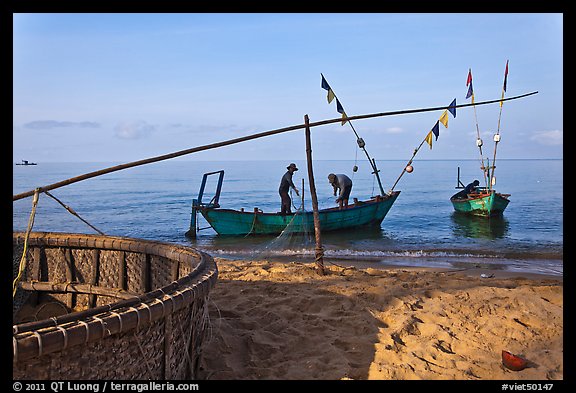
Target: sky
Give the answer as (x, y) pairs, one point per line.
(122, 87)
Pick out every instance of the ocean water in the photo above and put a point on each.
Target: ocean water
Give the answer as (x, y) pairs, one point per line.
(154, 202)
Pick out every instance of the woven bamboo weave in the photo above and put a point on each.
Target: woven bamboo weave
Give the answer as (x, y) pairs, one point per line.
(102, 307)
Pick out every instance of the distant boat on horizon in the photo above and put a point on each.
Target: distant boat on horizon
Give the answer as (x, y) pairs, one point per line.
(26, 162)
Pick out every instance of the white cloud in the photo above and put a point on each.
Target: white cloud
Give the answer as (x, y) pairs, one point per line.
(394, 130)
(548, 138)
(133, 130)
(48, 124)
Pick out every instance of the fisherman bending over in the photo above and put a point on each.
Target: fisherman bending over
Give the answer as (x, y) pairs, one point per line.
(344, 183)
(469, 189)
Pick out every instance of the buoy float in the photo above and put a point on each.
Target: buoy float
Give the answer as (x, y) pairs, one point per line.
(409, 168)
(513, 362)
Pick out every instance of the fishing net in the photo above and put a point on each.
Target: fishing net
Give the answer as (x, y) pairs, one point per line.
(297, 239)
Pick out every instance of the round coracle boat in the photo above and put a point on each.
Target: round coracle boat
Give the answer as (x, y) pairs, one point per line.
(103, 307)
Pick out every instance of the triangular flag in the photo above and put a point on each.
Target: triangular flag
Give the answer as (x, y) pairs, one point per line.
(452, 108)
(326, 86)
(470, 92)
(469, 84)
(339, 106)
(429, 139)
(505, 82)
(444, 119)
(330, 95)
(436, 130)
(344, 117)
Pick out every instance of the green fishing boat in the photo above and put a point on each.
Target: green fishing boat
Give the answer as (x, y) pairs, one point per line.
(483, 203)
(360, 214)
(369, 213)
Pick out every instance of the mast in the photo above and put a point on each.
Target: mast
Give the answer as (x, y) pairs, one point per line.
(497, 135)
(479, 142)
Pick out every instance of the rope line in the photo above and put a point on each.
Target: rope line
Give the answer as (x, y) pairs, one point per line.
(73, 212)
(22, 265)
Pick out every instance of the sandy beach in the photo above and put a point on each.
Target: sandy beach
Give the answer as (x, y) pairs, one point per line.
(272, 320)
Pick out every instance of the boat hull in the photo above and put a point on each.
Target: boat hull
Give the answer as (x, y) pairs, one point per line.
(484, 204)
(360, 214)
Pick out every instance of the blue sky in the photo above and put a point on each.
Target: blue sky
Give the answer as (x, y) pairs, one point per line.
(123, 87)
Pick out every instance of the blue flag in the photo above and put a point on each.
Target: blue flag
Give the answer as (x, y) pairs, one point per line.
(452, 108)
(436, 129)
(325, 84)
(470, 91)
(469, 84)
(339, 106)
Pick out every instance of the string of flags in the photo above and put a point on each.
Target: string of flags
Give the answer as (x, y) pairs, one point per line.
(435, 130)
(470, 92)
(428, 139)
(361, 144)
(331, 96)
(444, 120)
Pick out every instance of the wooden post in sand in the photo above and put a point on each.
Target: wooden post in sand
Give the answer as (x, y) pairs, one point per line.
(319, 252)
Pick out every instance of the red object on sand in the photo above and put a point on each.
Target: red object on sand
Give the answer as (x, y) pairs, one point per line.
(513, 362)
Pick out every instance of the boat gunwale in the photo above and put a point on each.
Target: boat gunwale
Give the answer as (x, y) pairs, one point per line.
(363, 204)
(473, 197)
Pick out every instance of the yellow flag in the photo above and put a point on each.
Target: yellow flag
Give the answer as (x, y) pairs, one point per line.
(502, 102)
(344, 118)
(330, 95)
(429, 139)
(444, 119)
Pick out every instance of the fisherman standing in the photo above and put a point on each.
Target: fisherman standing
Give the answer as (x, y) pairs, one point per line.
(285, 184)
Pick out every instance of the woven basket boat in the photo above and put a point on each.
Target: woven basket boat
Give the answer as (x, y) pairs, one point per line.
(101, 307)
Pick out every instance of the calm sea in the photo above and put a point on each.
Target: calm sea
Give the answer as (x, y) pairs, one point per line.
(154, 202)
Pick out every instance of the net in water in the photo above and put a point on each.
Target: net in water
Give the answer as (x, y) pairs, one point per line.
(295, 240)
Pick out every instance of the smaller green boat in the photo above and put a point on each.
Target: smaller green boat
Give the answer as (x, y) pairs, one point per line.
(231, 222)
(482, 203)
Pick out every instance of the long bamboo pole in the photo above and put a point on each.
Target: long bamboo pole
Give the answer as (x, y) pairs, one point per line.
(319, 251)
(243, 139)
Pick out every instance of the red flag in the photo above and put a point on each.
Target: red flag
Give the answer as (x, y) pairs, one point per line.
(470, 92)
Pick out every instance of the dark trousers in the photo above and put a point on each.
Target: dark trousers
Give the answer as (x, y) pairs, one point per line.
(286, 207)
